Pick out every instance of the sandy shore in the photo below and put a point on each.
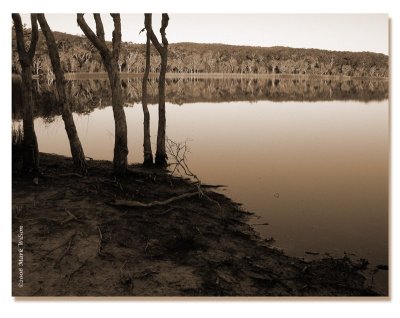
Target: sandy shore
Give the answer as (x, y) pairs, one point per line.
(79, 237)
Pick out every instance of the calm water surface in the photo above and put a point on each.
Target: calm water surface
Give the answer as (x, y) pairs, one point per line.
(316, 172)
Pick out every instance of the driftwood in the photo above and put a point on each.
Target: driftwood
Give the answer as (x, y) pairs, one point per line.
(131, 203)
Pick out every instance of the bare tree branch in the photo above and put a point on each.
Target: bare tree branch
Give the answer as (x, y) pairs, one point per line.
(116, 39)
(19, 32)
(99, 26)
(178, 152)
(34, 37)
(97, 42)
(164, 25)
(153, 37)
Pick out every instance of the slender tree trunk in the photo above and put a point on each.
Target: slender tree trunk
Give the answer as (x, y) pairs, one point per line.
(110, 61)
(147, 153)
(30, 145)
(161, 155)
(78, 155)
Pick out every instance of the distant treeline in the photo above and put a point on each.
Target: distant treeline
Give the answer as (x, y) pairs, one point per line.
(79, 56)
(86, 95)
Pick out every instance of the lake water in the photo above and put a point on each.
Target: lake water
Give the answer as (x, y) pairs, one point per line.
(310, 159)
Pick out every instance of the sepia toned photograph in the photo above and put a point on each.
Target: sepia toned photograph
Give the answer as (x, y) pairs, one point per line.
(200, 155)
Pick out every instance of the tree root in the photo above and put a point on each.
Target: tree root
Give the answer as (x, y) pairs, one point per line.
(131, 203)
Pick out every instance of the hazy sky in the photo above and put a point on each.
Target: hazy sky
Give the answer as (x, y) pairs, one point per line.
(341, 32)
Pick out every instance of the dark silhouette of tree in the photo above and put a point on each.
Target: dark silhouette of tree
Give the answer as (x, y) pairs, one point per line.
(147, 153)
(78, 155)
(110, 61)
(161, 155)
(30, 146)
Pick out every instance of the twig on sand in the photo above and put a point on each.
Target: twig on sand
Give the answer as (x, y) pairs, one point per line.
(71, 174)
(69, 276)
(66, 251)
(61, 244)
(69, 218)
(43, 218)
(100, 241)
(164, 212)
(131, 203)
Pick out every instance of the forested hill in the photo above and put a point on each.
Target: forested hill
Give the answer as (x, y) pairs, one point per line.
(78, 55)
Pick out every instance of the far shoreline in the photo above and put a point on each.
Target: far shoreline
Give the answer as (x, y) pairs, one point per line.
(124, 75)
(72, 76)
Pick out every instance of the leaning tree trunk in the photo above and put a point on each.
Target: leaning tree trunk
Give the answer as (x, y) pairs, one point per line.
(121, 131)
(30, 146)
(161, 155)
(110, 60)
(78, 155)
(147, 153)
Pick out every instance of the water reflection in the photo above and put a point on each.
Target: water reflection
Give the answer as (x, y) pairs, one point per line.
(86, 95)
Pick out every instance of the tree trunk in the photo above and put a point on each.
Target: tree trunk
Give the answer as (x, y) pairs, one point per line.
(30, 145)
(121, 131)
(78, 155)
(147, 153)
(30, 151)
(161, 155)
(110, 61)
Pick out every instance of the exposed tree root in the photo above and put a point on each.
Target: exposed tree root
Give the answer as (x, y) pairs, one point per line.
(131, 203)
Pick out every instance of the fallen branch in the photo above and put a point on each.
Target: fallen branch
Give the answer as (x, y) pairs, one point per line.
(131, 203)
(178, 152)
